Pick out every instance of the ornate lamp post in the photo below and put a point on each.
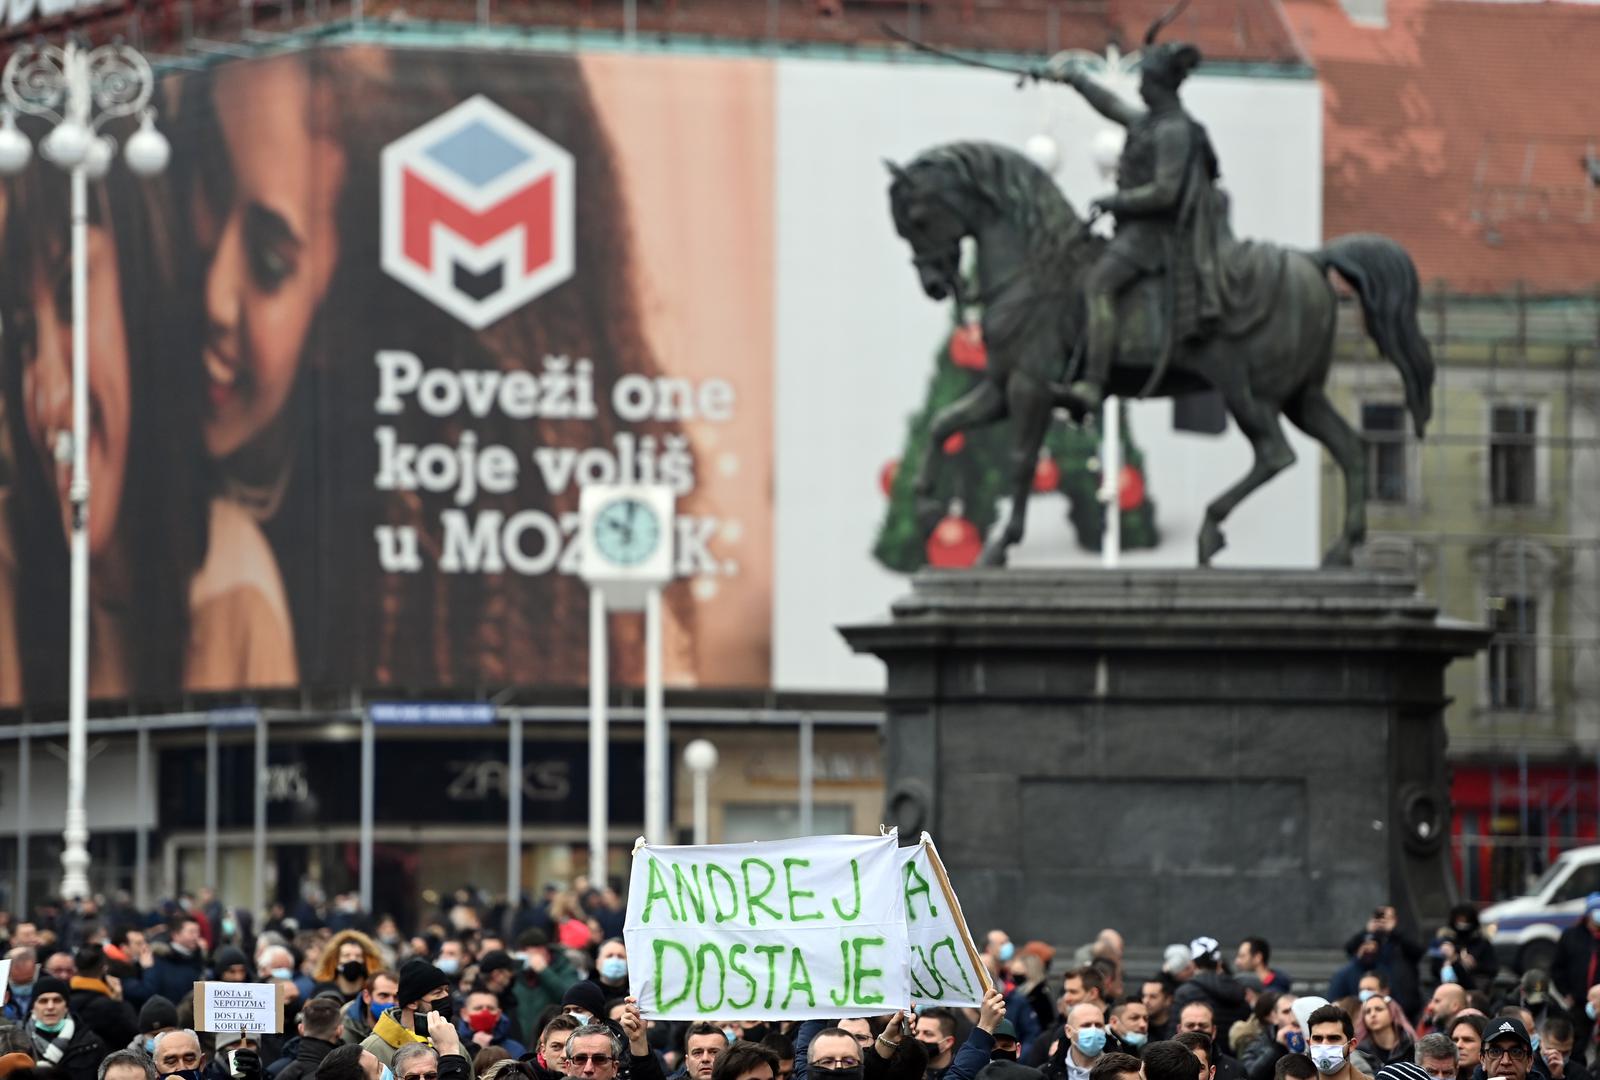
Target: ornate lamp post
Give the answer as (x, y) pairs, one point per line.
(79, 90)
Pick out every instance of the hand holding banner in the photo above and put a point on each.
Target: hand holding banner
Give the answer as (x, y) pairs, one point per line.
(790, 930)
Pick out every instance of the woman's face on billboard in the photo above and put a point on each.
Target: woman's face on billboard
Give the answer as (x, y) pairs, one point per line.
(265, 218)
(47, 379)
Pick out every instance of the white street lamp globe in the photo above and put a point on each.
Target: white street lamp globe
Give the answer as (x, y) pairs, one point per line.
(97, 162)
(1107, 151)
(68, 144)
(15, 149)
(1043, 152)
(147, 151)
(700, 755)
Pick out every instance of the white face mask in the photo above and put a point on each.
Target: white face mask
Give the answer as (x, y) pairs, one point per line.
(1327, 1059)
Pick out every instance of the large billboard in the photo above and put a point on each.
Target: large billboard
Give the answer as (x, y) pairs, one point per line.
(354, 355)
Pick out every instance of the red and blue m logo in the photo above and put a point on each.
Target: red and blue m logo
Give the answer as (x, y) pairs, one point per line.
(478, 212)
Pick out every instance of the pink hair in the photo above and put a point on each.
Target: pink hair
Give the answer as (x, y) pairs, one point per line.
(1397, 1016)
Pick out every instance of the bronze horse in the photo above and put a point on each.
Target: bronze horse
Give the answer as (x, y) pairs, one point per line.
(1032, 252)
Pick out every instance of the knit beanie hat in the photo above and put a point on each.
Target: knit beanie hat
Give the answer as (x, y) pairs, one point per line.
(158, 1014)
(417, 978)
(49, 984)
(587, 996)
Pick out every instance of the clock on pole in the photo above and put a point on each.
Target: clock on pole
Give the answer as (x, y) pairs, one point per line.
(625, 550)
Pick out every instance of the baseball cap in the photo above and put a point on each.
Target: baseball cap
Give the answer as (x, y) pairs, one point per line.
(1202, 948)
(1507, 1027)
(1004, 1030)
(1175, 959)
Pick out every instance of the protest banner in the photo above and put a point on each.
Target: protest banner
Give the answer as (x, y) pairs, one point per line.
(789, 930)
(253, 1008)
(945, 966)
(5, 981)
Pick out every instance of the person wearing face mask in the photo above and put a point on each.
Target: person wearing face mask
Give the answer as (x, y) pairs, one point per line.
(157, 1017)
(482, 1023)
(347, 963)
(177, 1054)
(1576, 967)
(423, 995)
(59, 1038)
(611, 968)
(24, 973)
(825, 1051)
(452, 957)
(1029, 1007)
(1083, 1042)
(1006, 1043)
(1129, 1029)
(998, 949)
(1462, 953)
(1331, 1043)
(374, 1000)
(545, 976)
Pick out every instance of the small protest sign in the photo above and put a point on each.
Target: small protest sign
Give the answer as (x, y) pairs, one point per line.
(5, 981)
(787, 930)
(254, 1008)
(945, 967)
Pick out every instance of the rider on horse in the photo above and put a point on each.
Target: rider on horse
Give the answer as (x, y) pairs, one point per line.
(1170, 218)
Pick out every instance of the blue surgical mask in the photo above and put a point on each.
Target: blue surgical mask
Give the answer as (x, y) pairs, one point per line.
(1447, 974)
(448, 964)
(614, 968)
(282, 974)
(1007, 951)
(731, 1035)
(50, 1029)
(1367, 995)
(150, 1046)
(380, 1008)
(1135, 1038)
(1091, 1041)
(387, 1074)
(1589, 1010)
(1534, 1038)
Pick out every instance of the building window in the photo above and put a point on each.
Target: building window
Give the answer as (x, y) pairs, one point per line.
(1513, 464)
(1514, 653)
(1383, 426)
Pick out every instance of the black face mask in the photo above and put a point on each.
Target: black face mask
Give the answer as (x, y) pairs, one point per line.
(1002, 1055)
(353, 971)
(835, 1074)
(932, 1048)
(445, 1007)
(754, 1032)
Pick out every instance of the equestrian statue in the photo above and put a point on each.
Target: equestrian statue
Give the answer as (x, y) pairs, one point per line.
(1171, 304)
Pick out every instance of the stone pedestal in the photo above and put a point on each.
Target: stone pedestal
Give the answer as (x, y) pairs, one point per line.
(1174, 753)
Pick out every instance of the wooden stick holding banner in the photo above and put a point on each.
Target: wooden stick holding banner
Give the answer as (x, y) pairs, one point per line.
(945, 966)
(960, 919)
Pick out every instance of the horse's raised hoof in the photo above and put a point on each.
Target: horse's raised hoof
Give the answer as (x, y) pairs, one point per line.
(1211, 541)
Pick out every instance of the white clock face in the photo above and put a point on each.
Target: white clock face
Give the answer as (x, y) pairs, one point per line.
(627, 532)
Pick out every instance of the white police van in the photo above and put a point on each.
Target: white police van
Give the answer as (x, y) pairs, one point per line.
(1524, 929)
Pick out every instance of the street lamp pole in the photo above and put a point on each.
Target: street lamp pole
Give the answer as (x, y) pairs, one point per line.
(79, 90)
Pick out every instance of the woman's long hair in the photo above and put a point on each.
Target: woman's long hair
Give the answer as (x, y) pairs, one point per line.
(355, 624)
(162, 518)
(1397, 1016)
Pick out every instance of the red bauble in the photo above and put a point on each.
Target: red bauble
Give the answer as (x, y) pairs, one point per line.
(1046, 474)
(886, 475)
(967, 349)
(1130, 488)
(955, 443)
(955, 542)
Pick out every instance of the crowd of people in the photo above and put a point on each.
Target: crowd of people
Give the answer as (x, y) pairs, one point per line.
(540, 992)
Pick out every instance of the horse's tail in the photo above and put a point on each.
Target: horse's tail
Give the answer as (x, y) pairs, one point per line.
(1385, 279)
